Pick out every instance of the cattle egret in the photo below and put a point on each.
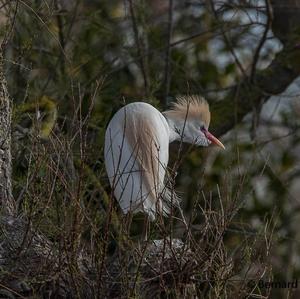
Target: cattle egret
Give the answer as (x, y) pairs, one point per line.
(137, 150)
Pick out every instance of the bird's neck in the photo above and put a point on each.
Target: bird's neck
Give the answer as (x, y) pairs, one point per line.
(174, 134)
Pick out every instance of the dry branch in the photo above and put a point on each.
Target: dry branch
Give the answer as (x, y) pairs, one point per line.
(273, 80)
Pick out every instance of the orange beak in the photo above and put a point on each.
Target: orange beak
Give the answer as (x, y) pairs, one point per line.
(213, 139)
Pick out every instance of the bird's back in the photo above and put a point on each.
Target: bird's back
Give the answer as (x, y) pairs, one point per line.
(136, 156)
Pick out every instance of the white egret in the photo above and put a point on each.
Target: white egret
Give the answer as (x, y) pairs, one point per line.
(137, 150)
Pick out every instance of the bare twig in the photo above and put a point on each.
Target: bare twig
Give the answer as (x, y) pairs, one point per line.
(60, 34)
(140, 48)
(168, 53)
(262, 40)
(227, 40)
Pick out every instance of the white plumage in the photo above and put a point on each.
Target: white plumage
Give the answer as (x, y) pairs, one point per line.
(136, 150)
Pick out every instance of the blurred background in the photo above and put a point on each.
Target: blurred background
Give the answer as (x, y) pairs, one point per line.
(72, 64)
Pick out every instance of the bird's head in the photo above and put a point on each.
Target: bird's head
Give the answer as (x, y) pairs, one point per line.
(190, 118)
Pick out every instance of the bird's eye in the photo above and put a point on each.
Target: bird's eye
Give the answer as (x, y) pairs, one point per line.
(202, 128)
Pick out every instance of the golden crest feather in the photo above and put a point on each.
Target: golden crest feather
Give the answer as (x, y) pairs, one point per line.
(191, 106)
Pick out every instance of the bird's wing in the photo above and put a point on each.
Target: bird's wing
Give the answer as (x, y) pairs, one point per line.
(141, 135)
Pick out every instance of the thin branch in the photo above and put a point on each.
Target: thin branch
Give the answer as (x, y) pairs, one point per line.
(262, 40)
(168, 54)
(60, 34)
(227, 40)
(46, 26)
(139, 47)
